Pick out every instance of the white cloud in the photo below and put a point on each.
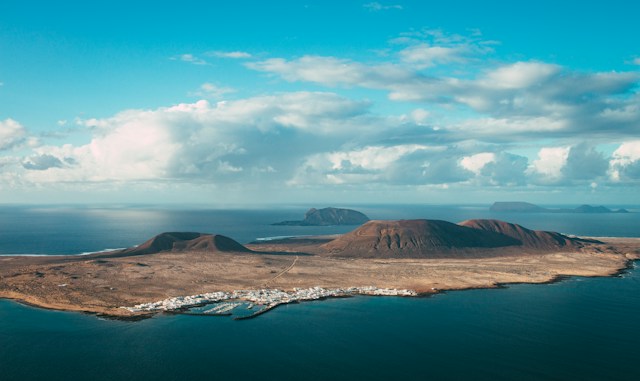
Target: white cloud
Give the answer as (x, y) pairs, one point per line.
(190, 58)
(376, 6)
(625, 162)
(334, 71)
(525, 97)
(371, 158)
(628, 152)
(210, 90)
(460, 126)
(201, 142)
(12, 133)
(368, 164)
(424, 55)
(550, 162)
(232, 54)
(420, 116)
(519, 75)
(475, 163)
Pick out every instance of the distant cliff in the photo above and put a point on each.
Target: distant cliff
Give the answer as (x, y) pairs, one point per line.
(329, 217)
(525, 207)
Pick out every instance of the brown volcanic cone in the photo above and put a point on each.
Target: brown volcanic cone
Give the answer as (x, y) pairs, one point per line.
(529, 238)
(413, 239)
(186, 241)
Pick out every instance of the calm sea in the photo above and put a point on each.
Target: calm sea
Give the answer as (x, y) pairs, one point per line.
(579, 329)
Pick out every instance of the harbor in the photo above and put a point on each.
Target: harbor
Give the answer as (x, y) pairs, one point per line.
(256, 302)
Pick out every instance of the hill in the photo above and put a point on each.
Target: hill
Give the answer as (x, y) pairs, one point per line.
(185, 241)
(528, 238)
(329, 217)
(413, 239)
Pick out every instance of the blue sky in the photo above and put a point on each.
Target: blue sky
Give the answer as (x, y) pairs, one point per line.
(359, 101)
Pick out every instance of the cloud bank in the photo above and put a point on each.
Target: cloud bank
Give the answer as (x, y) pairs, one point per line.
(451, 118)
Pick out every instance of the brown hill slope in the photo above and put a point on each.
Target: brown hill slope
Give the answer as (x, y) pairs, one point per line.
(413, 239)
(186, 241)
(529, 238)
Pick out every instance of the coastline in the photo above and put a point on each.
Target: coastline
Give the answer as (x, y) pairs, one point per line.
(121, 313)
(613, 265)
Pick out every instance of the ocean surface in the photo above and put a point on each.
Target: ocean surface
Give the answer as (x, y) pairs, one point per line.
(578, 329)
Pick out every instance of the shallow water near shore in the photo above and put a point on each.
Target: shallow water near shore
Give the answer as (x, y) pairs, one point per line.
(580, 328)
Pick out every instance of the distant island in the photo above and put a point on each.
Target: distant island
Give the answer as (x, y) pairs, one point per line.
(525, 207)
(328, 217)
(201, 273)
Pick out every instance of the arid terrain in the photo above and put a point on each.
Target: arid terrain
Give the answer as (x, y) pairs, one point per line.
(425, 256)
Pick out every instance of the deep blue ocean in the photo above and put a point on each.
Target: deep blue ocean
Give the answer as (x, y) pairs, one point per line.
(578, 329)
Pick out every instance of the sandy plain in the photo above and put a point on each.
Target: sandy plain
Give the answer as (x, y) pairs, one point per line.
(102, 283)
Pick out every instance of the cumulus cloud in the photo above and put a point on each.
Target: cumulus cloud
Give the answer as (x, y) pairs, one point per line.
(584, 162)
(464, 120)
(12, 133)
(407, 164)
(203, 142)
(550, 162)
(475, 163)
(506, 169)
(625, 162)
(569, 165)
(502, 168)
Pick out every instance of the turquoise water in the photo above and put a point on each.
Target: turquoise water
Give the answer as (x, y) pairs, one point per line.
(579, 329)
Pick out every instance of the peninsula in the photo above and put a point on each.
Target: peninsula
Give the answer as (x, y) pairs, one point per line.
(405, 258)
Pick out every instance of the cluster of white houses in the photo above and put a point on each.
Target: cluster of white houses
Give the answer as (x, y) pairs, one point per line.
(267, 297)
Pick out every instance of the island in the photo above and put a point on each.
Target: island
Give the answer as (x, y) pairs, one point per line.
(188, 272)
(525, 207)
(328, 217)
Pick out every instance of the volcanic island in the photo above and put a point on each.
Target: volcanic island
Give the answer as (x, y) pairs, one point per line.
(177, 271)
